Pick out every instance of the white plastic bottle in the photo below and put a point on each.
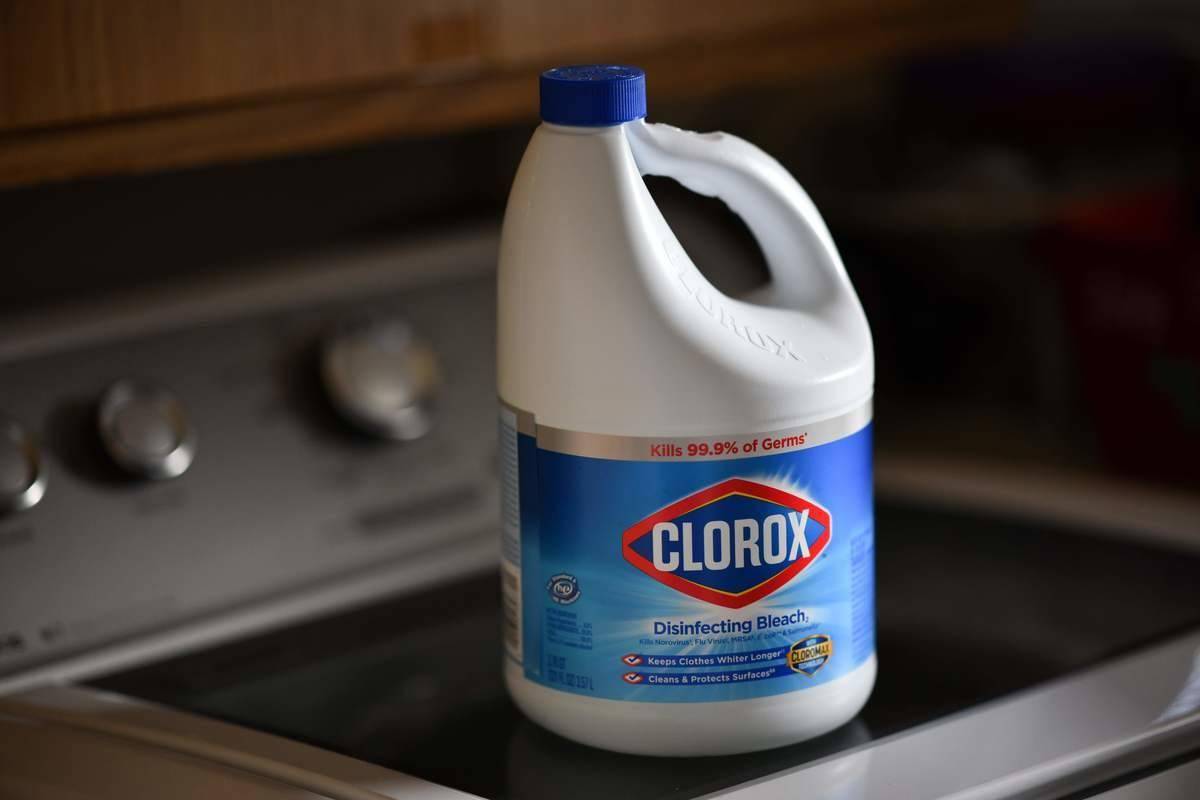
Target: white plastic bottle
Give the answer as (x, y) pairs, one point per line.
(688, 524)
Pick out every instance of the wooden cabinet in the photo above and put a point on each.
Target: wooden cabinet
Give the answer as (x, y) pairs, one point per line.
(90, 87)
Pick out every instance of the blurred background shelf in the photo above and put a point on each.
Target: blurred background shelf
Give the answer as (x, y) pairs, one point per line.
(102, 87)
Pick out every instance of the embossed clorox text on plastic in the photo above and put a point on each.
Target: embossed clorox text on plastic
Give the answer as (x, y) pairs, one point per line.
(689, 279)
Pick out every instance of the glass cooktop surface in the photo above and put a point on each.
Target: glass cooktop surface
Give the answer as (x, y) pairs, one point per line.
(969, 608)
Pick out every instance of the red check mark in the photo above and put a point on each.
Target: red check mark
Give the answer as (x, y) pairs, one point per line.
(633, 677)
(632, 659)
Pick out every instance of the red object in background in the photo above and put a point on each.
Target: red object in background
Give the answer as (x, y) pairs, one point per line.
(1129, 268)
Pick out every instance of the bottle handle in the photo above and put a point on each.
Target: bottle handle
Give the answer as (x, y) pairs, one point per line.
(806, 270)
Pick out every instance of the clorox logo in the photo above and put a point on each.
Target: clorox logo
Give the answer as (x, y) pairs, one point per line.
(730, 544)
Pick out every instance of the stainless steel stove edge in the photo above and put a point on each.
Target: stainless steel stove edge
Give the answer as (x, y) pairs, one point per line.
(1068, 735)
(251, 763)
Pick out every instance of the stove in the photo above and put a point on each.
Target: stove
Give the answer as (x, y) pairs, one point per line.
(248, 525)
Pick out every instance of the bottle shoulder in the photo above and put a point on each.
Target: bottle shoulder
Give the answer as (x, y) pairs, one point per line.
(605, 324)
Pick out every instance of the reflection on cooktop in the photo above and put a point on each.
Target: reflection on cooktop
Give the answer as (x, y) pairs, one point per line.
(969, 608)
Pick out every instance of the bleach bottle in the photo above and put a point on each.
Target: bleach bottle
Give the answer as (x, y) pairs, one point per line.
(687, 546)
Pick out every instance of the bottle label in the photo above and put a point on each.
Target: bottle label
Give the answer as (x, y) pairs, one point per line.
(687, 569)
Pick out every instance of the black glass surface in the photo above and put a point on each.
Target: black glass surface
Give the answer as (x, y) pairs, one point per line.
(969, 608)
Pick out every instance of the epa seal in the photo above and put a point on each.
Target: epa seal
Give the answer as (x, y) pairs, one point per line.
(810, 654)
(563, 588)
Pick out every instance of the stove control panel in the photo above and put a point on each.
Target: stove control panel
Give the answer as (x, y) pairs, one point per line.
(260, 460)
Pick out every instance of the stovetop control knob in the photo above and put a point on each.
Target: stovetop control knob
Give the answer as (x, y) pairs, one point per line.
(381, 378)
(22, 477)
(145, 430)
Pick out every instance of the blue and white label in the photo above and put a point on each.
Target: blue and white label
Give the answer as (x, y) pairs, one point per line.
(687, 569)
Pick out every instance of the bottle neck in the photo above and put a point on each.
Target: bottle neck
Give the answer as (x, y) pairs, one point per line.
(586, 130)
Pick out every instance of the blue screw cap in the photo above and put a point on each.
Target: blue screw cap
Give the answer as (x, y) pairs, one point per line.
(593, 94)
